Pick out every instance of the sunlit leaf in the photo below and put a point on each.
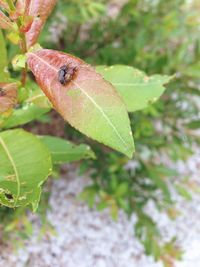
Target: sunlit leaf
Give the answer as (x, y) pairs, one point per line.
(25, 163)
(19, 61)
(136, 88)
(63, 151)
(87, 102)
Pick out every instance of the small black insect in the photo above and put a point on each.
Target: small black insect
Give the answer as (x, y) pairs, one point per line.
(65, 74)
(2, 92)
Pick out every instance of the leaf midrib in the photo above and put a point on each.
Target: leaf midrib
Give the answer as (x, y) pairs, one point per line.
(13, 165)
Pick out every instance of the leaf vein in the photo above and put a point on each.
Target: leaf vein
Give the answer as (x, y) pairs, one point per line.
(13, 165)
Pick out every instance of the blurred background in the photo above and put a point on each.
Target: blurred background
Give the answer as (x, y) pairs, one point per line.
(149, 205)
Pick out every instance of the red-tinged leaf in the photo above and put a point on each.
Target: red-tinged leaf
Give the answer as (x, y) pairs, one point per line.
(87, 102)
(8, 96)
(22, 6)
(27, 23)
(21, 10)
(40, 10)
(3, 4)
(5, 22)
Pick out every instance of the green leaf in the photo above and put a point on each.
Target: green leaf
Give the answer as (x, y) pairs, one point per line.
(4, 75)
(89, 195)
(19, 61)
(136, 88)
(157, 174)
(37, 97)
(13, 37)
(193, 124)
(193, 70)
(63, 151)
(86, 100)
(183, 192)
(23, 115)
(122, 190)
(25, 163)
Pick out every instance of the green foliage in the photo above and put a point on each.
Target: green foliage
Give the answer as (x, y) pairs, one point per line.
(25, 165)
(89, 103)
(160, 37)
(157, 37)
(3, 62)
(17, 228)
(193, 124)
(96, 109)
(22, 115)
(137, 89)
(87, 9)
(63, 151)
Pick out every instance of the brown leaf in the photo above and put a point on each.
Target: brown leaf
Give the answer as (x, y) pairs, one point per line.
(86, 101)
(40, 10)
(8, 96)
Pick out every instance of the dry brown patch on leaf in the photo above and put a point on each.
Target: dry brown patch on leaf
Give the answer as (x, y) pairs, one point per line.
(8, 96)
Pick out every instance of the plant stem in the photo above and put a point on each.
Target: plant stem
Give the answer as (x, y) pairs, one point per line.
(23, 45)
(24, 50)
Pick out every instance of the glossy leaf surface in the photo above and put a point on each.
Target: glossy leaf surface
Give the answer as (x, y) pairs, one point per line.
(87, 102)
(25, 163)
(136, 88)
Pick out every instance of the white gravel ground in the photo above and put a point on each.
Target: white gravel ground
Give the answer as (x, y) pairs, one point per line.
(87, 238)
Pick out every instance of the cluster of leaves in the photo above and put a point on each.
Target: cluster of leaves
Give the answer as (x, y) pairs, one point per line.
(87, 101)
(96, 107)
(161, 37)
